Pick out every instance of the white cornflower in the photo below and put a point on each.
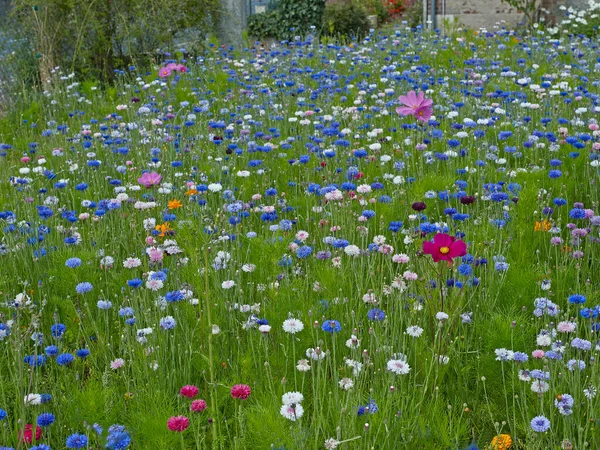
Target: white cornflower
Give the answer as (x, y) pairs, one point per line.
(346, 383)
(414, 331)
(303, 365)
(290, 398)
(292, 412)
(398, 366)
(292, 325)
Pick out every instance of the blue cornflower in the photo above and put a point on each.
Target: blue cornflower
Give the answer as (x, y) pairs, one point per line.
(2, 414)
(499, 196)
(174, 296)
(82, 353)
(376, 314)
(577, 213)
(520, 357)
(83, 288)
(303, 252)
(340, 243)
(58, 330)
(40, 447)
(167, 323)
(73, 262)
(77, 441)
(368, 213)
(104, 304)
(581, 344)
(331, 326)
(285, 225)
(135, 283)
(126, 311)
(577, 299)
(118, 439)
(394, 227)
(555, 173)
(51, 350)
(465, 270)
(64, 359)
(45, 419)
(540, 424)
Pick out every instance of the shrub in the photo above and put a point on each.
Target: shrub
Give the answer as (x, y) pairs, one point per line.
(290, 18)
(264, 25)
(345, 19)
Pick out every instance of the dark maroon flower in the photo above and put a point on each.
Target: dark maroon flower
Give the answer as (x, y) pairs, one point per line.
(467, 200)
(419, 206)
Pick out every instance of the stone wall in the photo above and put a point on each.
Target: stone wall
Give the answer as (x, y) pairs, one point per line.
(477, 13)
(487, 13)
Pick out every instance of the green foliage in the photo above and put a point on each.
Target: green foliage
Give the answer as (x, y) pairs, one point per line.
(529, 8)
(290, 18)
(264, 25)
(378, 8)
(345, 19)
(95, 38)
(413, 15)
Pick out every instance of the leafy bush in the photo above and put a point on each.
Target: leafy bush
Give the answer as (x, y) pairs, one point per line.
(93, 39)
(345, 19)
(290, 18)
(264, 25)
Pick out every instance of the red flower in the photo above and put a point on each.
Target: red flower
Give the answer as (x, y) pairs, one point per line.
(189, 391)
(198, 406)
(444, 247)
(27, 434)
(241, 391)
(178, 423)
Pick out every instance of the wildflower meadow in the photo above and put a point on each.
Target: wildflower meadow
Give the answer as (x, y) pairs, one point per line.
(391, 243)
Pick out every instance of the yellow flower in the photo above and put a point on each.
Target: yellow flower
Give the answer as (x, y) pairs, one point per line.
(501, 442)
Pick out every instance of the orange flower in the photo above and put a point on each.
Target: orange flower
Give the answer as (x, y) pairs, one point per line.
(164, 229)
(191, 192)
(174, 204)
(501, 442)
(545, 225)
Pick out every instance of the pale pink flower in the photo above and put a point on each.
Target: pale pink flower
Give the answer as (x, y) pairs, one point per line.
(416, 105)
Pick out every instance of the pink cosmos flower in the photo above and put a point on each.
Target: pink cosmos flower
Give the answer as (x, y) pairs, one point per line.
(149, 179)
(444, 247)
(178, 423)
(416, 105)
(240, 391)
(189, 391)
(164, 72)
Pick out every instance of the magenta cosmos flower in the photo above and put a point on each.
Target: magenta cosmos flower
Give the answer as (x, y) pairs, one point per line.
(416, 105)
(444, 247)
(149, 179)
